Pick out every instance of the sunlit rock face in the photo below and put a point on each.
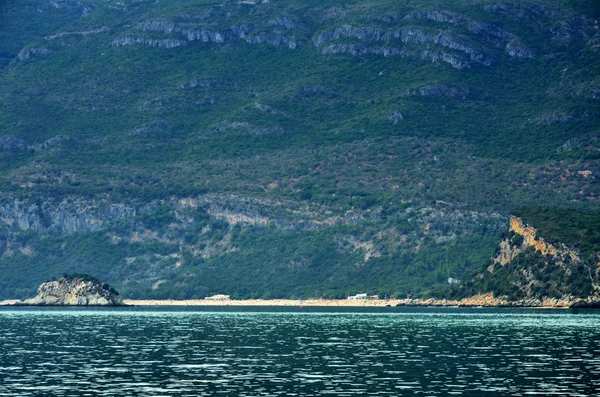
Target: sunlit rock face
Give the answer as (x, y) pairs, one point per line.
(76, 291)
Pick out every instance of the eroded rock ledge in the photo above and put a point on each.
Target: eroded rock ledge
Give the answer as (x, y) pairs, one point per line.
(489, 300)
(77, 290)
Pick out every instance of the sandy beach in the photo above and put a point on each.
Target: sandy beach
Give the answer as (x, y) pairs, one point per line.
(265, 302)
(249, 302)
(485, 300)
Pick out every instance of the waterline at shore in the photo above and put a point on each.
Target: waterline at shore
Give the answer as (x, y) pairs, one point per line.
(485, 300)
(265, 302)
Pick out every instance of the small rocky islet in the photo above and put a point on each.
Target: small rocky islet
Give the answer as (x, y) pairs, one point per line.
(75, 290)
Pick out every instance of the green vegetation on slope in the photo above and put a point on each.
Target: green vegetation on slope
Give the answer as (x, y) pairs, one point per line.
(576, 229)
(374, 145)
(571, 272)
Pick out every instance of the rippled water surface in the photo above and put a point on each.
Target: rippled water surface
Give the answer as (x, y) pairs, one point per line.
(182, 352)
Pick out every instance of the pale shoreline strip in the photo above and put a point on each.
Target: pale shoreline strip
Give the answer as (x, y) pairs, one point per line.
(265, 302)
(9, 302)
(477, 301)
(485, 300)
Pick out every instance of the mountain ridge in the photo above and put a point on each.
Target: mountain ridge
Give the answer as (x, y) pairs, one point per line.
(288, 149)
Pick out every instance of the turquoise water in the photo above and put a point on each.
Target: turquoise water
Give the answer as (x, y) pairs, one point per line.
(298, 352)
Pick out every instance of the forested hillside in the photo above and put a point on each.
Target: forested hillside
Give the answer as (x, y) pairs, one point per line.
(280, 148)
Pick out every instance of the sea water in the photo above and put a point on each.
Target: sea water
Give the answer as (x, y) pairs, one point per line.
(298, 352)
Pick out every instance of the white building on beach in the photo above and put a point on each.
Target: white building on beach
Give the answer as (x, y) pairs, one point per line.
(358, 297)
(217, 298)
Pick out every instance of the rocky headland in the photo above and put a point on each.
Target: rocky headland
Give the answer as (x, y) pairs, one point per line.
(529, 270)
(489, 300)
(79, 290)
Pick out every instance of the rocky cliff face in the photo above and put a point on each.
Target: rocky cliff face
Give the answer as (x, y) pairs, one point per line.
(160, 240)
(75, 214)
(76, 291)
(61, 217)
(527, 268)
(439, 36)
(508, 250)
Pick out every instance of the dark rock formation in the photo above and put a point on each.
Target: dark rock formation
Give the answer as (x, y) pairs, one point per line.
(456, 50)
(195, 32)
(205, 83)
(283, 21)
(164, 43)
(61, 217)
(585, 304)
(27, 53)
(11, 143)
(396, 117)
(439, 90)
(79, 290)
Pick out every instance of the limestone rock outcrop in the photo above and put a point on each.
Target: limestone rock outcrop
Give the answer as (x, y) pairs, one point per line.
(530, 238)
(80, 290)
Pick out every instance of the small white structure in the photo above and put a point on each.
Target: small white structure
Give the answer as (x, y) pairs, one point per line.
(358, 297)
(217, 298)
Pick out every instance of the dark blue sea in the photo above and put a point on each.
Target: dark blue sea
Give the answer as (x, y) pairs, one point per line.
(298, 352)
